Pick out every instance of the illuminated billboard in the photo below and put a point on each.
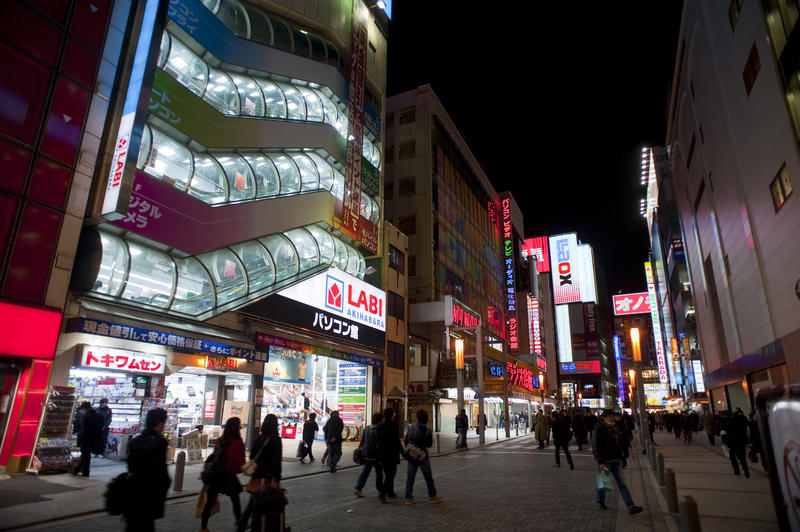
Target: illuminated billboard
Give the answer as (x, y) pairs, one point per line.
(565, 262)
(537, 248)
(586, 366)
(618, 359)
(656, 394)
(534, 331)
(636, 303)
(588, 287)
(660, 355)
(563, 333)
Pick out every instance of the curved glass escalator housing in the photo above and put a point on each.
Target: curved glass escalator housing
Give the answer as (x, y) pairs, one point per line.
(198, 285)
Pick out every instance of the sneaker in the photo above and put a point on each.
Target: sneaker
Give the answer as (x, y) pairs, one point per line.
(302, 461)
(572, 466)
(435, 499)
(409, 502)
(635, 509)
(602, 505)
(312, 460)
(382, 498)
(358, 492)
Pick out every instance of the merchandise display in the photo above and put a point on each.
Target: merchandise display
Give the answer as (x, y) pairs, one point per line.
(52, 452)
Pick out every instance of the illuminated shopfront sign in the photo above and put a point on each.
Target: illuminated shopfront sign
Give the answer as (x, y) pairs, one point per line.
(636, 303)
(510, 287)
(458, 314)
(519, 376)
(564, 266)
(699, 382)
(656, 394)
(563, 333)
(660, 355)
(538, 249)
(28, 332)
(541, 363)
(587, 366)
(534, 331)
(94, 356)
(618, 359)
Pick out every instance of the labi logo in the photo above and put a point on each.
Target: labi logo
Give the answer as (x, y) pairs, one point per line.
(334, 293)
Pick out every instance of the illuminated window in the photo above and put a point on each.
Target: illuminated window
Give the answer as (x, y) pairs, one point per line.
(781, 16)
(751, 69)
(781, 188)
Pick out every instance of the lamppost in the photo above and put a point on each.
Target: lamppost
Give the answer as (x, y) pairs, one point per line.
(637, 366)
(460, 372)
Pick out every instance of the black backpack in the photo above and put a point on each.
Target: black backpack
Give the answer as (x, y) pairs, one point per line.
(214, 472)
(118, 494)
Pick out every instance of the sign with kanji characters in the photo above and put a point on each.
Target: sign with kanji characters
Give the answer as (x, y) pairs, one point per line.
(418, 388)
(523, 377)
(122, 360)
(636, 303)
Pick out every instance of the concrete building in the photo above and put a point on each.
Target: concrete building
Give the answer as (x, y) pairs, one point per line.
(733, 142)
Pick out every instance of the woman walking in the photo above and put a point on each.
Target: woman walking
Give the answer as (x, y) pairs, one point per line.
(232, 448)
(267, 452)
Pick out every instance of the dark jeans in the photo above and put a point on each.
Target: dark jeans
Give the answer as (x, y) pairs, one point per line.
(389, 472)
(139, 524)
(84, 463)
(565, 446)
(212, 497)
(426, 473)
(623, 489)
(334, 454)
(362, 478)
(463, 434)
(738, 452)
(309, 444)
(710, 437)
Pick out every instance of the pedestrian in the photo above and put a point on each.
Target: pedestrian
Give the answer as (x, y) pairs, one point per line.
(541, 427)
(147, 465)
(267, 452)
(389, 451)
(562, 433)
(686, 428)
(90, 437)
(306, 401)
(105, 415)
(709, 426)
(676, 425)
(333, 439)
(608, 453)
(481, 423)
(755, 439)
(231, 446)
(370, 454)
(310, 429)
(624, 437)
(420, 438)
(579, 428)
(736, 428)
(462, 425)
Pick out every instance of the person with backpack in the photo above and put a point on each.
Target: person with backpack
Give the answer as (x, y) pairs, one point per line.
(149, 480)
(225, 464)
(389, 451)
(418, 440)
(333, 439)
(90, 438)
(370, 454)
(267, 453)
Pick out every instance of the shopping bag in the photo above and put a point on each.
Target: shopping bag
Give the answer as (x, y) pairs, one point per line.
(202, 498)
(459, 441)
(726, 451)
(302, 450)
(605, 481)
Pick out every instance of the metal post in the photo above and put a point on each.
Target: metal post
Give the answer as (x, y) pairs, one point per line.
(438, 443)
(517, 428)
(660, 468)
(496, 431)
(671, 491)
(481, 410)
(180, 465)
(652, 457)
(507, 420)
(689, 515)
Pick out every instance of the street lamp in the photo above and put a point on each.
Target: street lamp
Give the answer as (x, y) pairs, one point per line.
(460, 372)
(637, 365)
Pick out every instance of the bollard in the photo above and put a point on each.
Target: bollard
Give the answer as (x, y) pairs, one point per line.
(438, 443)
(651, 456)
(180, 465)
(660, 468)
(517, 429)
(689, 515)
(671, 491)
(496, 432)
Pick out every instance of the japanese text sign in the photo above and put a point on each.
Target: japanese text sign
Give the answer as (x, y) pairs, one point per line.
(636, 303)
(123, 360)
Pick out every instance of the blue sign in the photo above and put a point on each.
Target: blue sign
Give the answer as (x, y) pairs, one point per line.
(137, 334)
(618, 358)
(496, 370)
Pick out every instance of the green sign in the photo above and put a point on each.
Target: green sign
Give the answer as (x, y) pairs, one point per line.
(370, 178)
(353, 390)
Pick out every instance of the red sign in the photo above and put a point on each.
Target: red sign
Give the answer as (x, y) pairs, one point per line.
(519, 376)
(537, 248)
(464, 318)
(28, 332)
(637, 303)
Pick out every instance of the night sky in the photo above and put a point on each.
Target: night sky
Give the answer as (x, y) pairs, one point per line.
(556, 100)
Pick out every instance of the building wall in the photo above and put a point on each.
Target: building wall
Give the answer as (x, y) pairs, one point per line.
(741, 143)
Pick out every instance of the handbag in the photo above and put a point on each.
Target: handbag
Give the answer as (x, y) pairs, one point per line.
(605, 482)
(202, 499)
(358, 457)
(118, 494)
(251, 465)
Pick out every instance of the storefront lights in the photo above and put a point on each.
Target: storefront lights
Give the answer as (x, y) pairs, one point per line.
(459, 353)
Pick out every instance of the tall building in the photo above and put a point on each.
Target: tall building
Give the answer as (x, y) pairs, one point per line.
(437, 193)
(733, 143)
(220, 172)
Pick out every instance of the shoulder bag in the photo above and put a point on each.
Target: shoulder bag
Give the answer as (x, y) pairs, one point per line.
(251, 465)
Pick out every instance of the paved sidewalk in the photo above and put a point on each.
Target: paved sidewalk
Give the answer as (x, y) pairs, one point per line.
(725, 501)
(27, 499)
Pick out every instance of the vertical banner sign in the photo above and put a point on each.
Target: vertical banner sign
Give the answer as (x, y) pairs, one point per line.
(534, 330)
(565, 268)
(351, 209)
(511, 290)
(618, 359)
(537, 248)
(126, 142)
(651, 290)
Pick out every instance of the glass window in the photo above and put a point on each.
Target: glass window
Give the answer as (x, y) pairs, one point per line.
(317, 48)
(186, 67)
(288, 172)
(163, 50)
(240, 179)
(169, 161)
(325, 243)
(340, 259)
(352, 260)
(295, 104)
(338, 185)
(212, 5)
(226, 273)
(266, 176)
(301, 44)
(194, 294)
(257, 264)
(362, 266)
(283, 255)
(333, 54)
(306, 248)
(260, 26)
(221, 93)
(314, 109)
(366, 206)
(144, 147)
(376, 156)
(282, 35)
(273, 97)
(308, 171)
(151, 277)
(331, 113)
(113, 266)
(366, 149)
(376, 213)
(233, 15)
(250, 97)
(324, 170)
(208, 182)
(341, 122)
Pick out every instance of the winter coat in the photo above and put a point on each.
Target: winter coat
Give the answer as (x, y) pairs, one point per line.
(147, 464)
(233, 456)
(606, 443)
(562, 432)
(105, 415)
(736, 428)
(310, 429)
(370, 444)
(541, 426)
(333, 429)
(462, 423)
(389, 448)
(269, 460)
(421, 436)
(90, 435)
(709, 424)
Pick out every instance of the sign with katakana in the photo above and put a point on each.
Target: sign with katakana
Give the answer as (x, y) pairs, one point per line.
(625, 304)
(94, 356)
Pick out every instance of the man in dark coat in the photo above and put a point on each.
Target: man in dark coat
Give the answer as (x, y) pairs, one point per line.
(310, 429)
(562, 433)
(579, 428)
(462, 425)
(333, 438)
(90, 437)
(389, 450)
(736, 428)
(608, 453)
(105, 415)
(147, 464)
